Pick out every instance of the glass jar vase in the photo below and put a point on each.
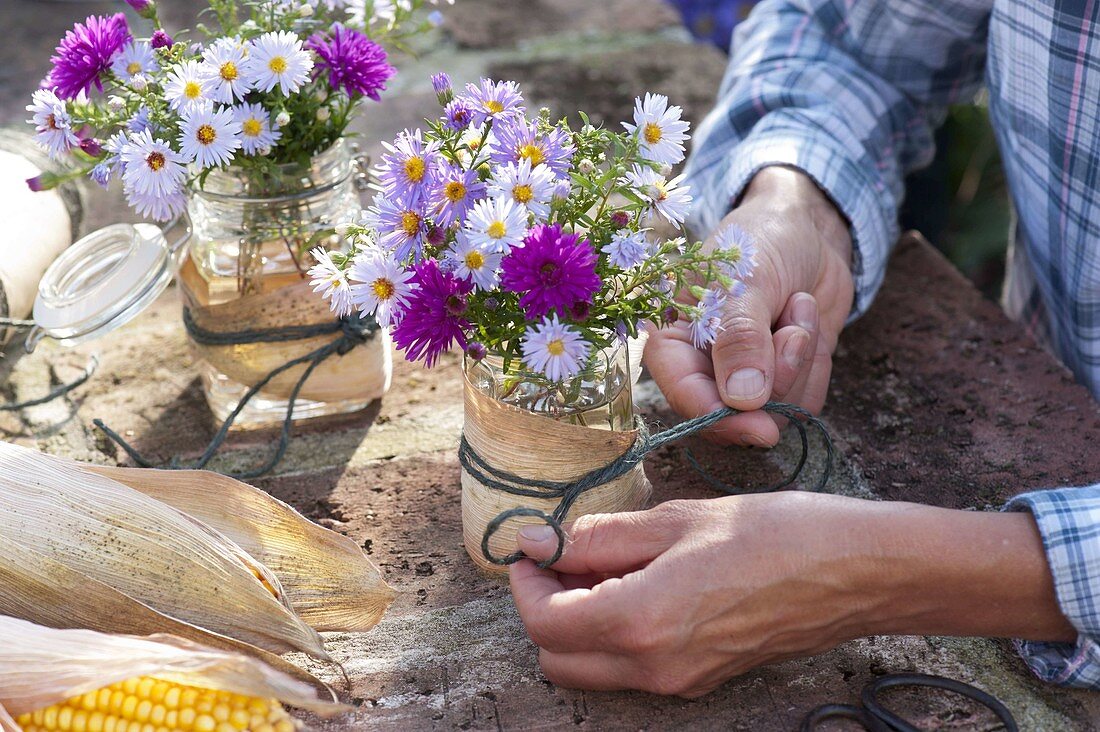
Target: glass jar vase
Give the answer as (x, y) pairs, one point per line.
(246, 270)
(522, 424)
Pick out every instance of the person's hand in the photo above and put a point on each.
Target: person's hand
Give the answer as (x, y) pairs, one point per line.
(677, 599)
(777, 339)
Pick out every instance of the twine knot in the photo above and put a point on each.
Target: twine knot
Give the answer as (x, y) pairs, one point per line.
(357, 329)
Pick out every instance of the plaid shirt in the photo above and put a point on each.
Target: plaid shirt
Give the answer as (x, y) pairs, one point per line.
(851, 92)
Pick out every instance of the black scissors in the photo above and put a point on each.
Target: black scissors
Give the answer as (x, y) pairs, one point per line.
(875, 717)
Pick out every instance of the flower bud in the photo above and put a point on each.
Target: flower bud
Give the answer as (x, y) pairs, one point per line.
(144, 8)
(670, 315)
(139, 83)
(305, 10)
(342, 230)
(282, 119)
(435, 18)
(160, 39)
(323, 114)
(476, 351)
(444, 91)
(37, 183)
(620, 219)
(586, 167)
(91, 146)
(116, 104)
(264, 151)
(666, 170)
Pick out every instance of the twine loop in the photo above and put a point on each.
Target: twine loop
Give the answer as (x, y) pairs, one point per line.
(567, 492)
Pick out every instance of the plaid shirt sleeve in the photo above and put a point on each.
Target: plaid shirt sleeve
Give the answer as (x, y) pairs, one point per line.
(849, 93)
(1069, 522)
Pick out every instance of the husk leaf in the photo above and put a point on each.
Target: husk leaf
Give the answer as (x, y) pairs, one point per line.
(329, 580)
(7, 724)
(41, 666)
(145, 549)
(40, 590)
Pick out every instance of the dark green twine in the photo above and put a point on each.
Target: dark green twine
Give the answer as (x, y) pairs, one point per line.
(58, 391)
(353, 331)
(567, 493)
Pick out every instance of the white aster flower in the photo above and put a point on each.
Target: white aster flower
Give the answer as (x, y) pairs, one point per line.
(660, 131)
(151, 167)
(184, 87)
(706, 319)
(208, 137)
(331, 282)
(222, 71)
(52, 123)
(136, 57)
(554, 349)
(666, 197)
(530, 187)
(740, 250)
(277, 59)
(158, 208)
(256, 131)
(470, 144)
(627, 249)
(496, 224)
(384, 292)
(473, 262)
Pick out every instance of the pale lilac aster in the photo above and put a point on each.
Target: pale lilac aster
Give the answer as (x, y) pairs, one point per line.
(140, 122)
(409, 167)
(457, 191)
(552, 271)
(382, 286)
(152, 167)
(101, 175)
(85, 53)
(184, 88)
(444, 91)
(401, 226)
(223, 71)
(668, 198)
(554, 349)
(276, 59)
(433, 319)
(519, 139)
(627, 249)
(660, 131)
(331, 282)
(474, 263)
(494, 100)
(740, 248)
(458, 114)
(136, 57)
(496, 224)
(210, 137)
(531, 187)
(257, 133)
(52, 123)
(354, 62)
(158, 208)
(706, 319)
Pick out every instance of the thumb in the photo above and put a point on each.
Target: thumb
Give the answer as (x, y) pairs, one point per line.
(744, 352)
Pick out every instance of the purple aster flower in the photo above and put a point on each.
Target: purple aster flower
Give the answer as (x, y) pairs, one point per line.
(519, 139)
(140, 122)
(458, 114)
(85, 53)
(553, 270)
(144, 8)
(161, 39)
(441, 83)
(476, 351)
(620, 219)
(400, 225)
(494, 100)
(101, 174)
(433, 320)
(458, 190)
(354, 62)
(91, 146)
(409, 168)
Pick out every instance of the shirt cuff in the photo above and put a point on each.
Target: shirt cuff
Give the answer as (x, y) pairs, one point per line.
(860, 195)
(1069, 524)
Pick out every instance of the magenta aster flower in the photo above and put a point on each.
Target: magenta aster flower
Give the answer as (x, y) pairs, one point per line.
(354, 62)
(85, 53)
(519, 139)
(552, 271)
(432, 321)
(161, 39)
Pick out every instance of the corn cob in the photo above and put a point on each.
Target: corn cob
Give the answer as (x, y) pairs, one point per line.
(145, 704)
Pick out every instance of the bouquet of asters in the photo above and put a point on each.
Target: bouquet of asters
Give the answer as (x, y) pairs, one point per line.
(270, 82)
(513, 235)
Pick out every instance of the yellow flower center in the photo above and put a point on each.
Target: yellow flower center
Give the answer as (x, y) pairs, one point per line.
(155, 161)
(410, 223)
(133, 68)
(523, 193)
(652, 133)
(474, 259)
(205, 134)
(555, 347)
(415, 169)
(277, 64)
(192, 90)
(228, 71)
(252, 127)
(496, 230)
(657, 191)
(494, 106)
(734, 254)
(383, 288)
(455, 191)
(533, 153)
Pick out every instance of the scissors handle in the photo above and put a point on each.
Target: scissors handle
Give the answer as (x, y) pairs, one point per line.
(871, 703)
(842, 711)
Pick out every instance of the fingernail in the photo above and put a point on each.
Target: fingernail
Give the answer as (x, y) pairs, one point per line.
(795, 349)
(804, 313)
(745, 384)
(753, 440)
(537, 533)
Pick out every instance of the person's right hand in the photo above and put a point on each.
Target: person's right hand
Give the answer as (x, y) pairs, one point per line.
(777, 340)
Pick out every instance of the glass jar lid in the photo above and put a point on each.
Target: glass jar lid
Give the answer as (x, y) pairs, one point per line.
(103, 281)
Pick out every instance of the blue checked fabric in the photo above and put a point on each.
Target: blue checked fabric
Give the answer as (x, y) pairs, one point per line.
(851, 92)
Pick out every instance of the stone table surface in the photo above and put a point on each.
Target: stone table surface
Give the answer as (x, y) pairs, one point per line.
(936, 398)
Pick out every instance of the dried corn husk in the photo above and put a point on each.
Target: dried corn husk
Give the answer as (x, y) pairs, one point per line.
(330, 582)
(41, 666)
(7, 724)
(146, 550)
